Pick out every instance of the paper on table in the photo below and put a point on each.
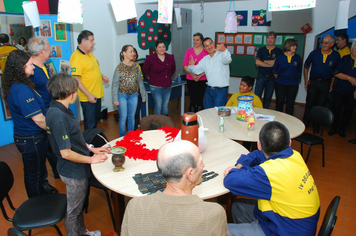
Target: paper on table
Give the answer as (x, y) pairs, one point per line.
(70, 11)
(31, 14)
(264, 117)
(124, 10)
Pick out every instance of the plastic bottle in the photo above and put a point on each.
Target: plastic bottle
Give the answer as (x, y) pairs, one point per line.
(190, 128)
(179, 79)
(221, 125)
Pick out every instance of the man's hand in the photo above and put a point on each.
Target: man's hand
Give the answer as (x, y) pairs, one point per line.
(116, 104)
(98, 150)
(221, 47)
(306, 85)
(226, 172)
(98, 158)
(352, 80)
(192, 61)
(91, 98)
(105, 79)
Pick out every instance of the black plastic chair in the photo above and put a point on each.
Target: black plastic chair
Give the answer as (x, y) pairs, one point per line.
(36, 212)
(319, 116)
(330, 218)
(153, 122)
(15, 232)
(92, 136)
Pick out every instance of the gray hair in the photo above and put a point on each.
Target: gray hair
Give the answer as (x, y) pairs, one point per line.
(332, 38)
(173, 168)
(353, 45)
(36, 44)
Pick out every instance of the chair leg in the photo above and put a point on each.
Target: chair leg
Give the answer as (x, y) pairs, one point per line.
(57, 229)
(323, 154)
(110, 208)
(29, 232)
(310, 147)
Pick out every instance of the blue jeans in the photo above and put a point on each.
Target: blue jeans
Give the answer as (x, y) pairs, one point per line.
(215, 97)
(33, 149)
(161, 98)
(127, 110)
(265, 83)
(91, 113)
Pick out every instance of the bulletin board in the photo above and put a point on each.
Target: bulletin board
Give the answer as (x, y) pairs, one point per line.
(243, 48)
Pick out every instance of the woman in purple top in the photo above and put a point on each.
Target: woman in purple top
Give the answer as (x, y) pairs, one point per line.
(159, 69)
(196, 83)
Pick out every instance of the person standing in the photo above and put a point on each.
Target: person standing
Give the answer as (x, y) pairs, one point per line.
(265, 59)
(217, 71)
(69, 146)
(5, 49)
(323, 63)
(127, 78)
(196, 83)
(85, 68)
(287, 70)
(341, 44)
(159, 69)
(175, 211)
(39, 49)
(28, 114)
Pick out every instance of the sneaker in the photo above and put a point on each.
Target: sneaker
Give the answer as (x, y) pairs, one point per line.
(93, 233)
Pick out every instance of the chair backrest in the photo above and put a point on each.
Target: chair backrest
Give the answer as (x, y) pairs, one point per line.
(6, 180)
(15, 232)
(322, 116)
(155, 121)
(330, 218)
(91, 136)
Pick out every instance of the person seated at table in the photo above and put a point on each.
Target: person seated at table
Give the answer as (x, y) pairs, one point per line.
(246, 86)
(175, 211)
(68, 144)
(277, 176)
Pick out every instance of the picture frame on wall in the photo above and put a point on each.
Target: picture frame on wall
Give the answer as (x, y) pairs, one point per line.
(221, 38)
(64, 67)
(240, 50)
(239, 39)
(60, 31)
(247, 38)
(56, 51)
(258, 39)
(250, 50)
(230, 48)
(45, 28)
(51, 67)
(229, 39)
(279, 40)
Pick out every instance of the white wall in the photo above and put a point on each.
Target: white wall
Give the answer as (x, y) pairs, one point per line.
(110, 35)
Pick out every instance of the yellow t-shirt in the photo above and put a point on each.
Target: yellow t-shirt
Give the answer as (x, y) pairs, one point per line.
(344, 51)
(87, 67)
(233, 100)
(4, 52)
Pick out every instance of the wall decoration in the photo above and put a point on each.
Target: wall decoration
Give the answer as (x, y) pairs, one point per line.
(239, 39)
(257, 39)
(64, 66)
(279, 40)
(265, 40)
(56, 51)
(149, 31)
(229, 39)
(45, 28)
(250, 50)
(240, 50)
(230, 49)
(221, 38)
(51, 67)
(132, 25)
(259, 18)
(247, 38)
(60, 31)
(241, 17)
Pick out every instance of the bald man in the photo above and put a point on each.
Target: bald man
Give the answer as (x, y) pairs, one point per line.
(175, 211)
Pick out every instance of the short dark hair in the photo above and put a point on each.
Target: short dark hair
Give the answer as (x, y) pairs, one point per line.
(274, 138)
(271, 33)
(288, 43)
(343, 37)
(4, 38)
(248, 80)
(172, 169)
(159, 42)
(205, 39)
(136, 53)
(61, 86)
(84, 35)
(200, 36)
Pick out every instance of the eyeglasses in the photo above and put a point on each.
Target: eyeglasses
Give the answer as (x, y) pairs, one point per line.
(325, 42)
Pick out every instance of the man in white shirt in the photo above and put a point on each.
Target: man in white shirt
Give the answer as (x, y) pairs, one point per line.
(217, 71)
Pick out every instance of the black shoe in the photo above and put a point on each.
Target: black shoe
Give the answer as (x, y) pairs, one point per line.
(332, 131)
(48, 189)
(342, 134)
(352, 141)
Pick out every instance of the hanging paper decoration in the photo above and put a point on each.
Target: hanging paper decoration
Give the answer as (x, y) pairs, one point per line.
(149, 31)
(259, 18)
(132, 25)
(178, 14)
(230, 20)
(70, 11)
(165, 8)
(201, 11)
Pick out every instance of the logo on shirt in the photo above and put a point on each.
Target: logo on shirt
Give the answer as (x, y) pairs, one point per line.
(73, 69)
(295, 64)
(331, 63)
(30, 100)
(273, 56)
(64, 137)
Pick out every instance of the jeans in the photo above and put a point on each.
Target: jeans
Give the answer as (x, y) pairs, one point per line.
(267, 84)
(196, 92)
(215, 97)
(33, 149)
(91, 113)
(127, 110)
(286, 93)
(161, 98)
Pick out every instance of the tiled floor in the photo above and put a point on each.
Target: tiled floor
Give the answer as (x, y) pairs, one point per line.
(338, 177)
